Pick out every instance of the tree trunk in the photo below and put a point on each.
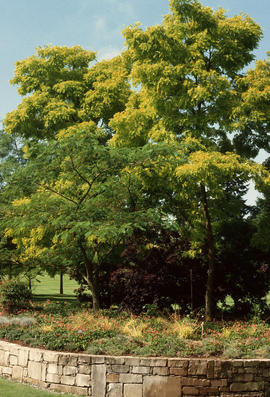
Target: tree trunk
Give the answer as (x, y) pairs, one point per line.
(91, 279)
(210, 243)
(61, 283)
(95, 296)
(93, 286)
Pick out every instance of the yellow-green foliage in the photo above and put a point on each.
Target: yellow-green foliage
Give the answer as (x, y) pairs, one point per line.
(183, 329)
(134, 328)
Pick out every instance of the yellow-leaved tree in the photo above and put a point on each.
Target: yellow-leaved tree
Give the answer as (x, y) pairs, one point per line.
(191, 84)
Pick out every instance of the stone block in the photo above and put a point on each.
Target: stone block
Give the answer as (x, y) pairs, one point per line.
(177, 363)
(13, 360)
(112, 378)
(6, 371)
(178, 371)
(237, 363)
(53, 369)
(243, 378)
(120, 368)
(132, 391)
(63, 359)
(50, 357)
(84, 369)
(115, 360)
(132, 361)
(251, 363)
(243, 387)
(226, 369)
(23, 357)
(265, 372)
(197, 367)
(189, 390)
(35, 355)
(161, 386)
(206, 391)
(43, 371)
(219, 382)
(53, 378)
(84, 359)
(4, 358)
(83, 380)
(158, 362)
(114, 390)
(260, 394)
(98, 359)
(189, 381)
(69, 389)
(68, 380)
(34, 370)
(130, 378)
(163, 371)
(145, 362)
(73, 360)
(14, 349)
(99, 380)
(210, 369)
(17, 373)
(142, 370)
(69, 370)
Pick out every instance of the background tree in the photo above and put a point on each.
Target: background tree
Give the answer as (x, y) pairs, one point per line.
(189, 77)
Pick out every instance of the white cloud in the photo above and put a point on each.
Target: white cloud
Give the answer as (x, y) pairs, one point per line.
(107, 53)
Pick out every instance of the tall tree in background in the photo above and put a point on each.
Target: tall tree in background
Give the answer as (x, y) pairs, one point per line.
(190, 85)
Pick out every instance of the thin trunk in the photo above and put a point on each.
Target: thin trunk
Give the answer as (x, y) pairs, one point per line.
(61, 282)
(93, 286)
(91, 280)
(95, 295)
(210, 243)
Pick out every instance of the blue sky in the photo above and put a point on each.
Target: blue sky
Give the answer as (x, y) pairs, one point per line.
(94, 24)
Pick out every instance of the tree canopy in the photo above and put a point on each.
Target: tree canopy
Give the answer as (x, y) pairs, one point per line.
(158, 141)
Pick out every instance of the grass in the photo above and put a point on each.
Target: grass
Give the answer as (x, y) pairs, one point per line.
(45, 285)
(11, 389)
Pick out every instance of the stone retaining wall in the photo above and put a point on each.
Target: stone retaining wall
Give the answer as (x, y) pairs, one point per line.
(105, 376)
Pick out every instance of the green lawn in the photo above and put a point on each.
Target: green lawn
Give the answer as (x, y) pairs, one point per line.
(11, 389)
(46, 285)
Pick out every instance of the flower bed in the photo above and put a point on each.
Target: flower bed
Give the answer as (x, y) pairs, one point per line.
(63, 327)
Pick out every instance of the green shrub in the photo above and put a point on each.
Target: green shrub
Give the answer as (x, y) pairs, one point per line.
(15, 296)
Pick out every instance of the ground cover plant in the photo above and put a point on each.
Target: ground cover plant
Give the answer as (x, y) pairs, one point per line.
(68, 326)
(10, 389)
